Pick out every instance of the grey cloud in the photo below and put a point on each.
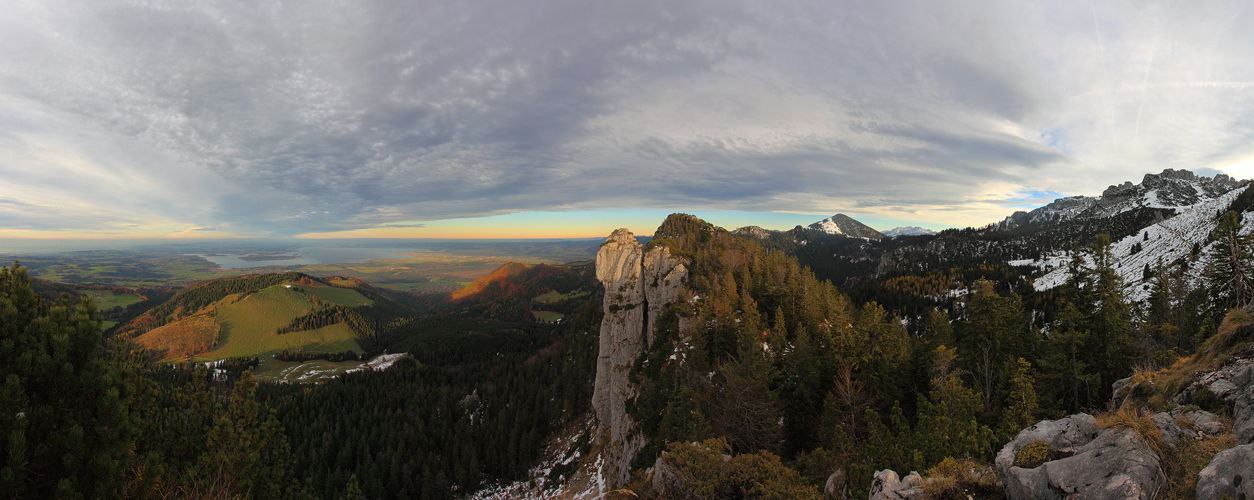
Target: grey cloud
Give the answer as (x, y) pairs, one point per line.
(328, 115)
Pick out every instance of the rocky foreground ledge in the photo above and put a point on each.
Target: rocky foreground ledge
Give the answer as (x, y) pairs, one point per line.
(1074, 457)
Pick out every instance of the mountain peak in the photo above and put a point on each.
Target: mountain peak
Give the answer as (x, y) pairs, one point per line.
(846, 226)
(753, 231)
(908, 231)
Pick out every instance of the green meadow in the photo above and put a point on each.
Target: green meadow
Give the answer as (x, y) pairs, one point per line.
(342, 296)
(106, 299)
(249, 325)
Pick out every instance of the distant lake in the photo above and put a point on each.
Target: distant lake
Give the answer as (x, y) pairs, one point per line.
(305, 256)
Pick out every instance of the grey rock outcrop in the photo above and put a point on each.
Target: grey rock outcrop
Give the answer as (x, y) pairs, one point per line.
(1202, 421)
(637, 287)
(1230, 474)
(836, 485)
(1111, 463)
(668, 481)
(1197, 425)
(1064, 435)
(1234, 384)
(753, 232)
(885, 485)
(663, 276)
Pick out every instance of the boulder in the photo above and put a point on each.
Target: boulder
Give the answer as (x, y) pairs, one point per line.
(836, 485)
(1169, 430)
(1112, 463)
(885, 485)
(1229, 475)
(1064, 435)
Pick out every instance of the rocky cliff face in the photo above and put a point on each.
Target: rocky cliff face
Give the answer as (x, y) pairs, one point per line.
(638, 286)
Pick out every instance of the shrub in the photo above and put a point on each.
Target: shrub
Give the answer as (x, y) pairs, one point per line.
(1032, 455)
(1130, 418)
(1207, 400)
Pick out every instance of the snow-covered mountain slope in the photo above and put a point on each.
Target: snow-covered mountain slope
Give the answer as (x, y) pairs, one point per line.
(844, 225)
(1166, 240)
(907, 231)
(1170, 189)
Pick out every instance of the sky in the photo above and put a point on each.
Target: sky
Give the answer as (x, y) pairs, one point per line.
(376, 118)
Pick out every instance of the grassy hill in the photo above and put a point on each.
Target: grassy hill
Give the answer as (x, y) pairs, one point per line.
(242, 317)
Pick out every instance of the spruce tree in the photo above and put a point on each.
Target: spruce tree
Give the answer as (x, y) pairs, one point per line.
(1230, 275)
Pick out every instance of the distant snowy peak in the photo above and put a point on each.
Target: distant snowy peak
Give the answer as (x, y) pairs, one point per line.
(908, 231)
(844, 225)
(1171, 189)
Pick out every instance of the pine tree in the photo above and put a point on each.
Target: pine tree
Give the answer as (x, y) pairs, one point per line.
(247, 446)
(1066, 359)
(993, 334)
(65, 428)
(1021, 405)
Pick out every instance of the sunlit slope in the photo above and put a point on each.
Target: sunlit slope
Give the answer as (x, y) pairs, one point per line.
(247, 324)
(481, 283)
(185, 337)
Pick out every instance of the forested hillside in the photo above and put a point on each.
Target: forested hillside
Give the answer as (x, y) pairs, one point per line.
(766, 357)
(474, 403)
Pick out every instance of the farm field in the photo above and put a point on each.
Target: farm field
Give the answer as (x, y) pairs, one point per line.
(271, 369)
(552, 297)
(119, 268)
(448, 265)
(424, 285)
(106, 299)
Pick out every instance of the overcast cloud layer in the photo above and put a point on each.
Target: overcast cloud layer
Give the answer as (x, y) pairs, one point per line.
(270, 118)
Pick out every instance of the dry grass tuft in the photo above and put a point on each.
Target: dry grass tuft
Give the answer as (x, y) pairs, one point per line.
(1184, 463)
(962, 479)
(1128, 417)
